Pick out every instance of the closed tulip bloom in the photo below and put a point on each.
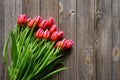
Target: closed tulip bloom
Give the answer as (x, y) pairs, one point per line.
(39, 33)
(46, 34)
(22, 19)
(53, 28)
(31, 23)
(54, 36)
(38, 20)
(61, 44)
(50, 22)
(28, 20)
(60, 34)
(42, 24)
(69, 43)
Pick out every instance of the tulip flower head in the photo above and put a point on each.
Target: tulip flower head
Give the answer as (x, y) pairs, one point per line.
(39, 33)
(29, 19)
(60, 34)
(69, 43)
(31, 23)
(22, 19)
(53, 28)
(50, 22)
(61, 44)
(46, 34)
(54, 36)
(38, 20)
(42, 25)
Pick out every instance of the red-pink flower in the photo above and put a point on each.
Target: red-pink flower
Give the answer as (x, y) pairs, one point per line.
(42, 24)
(31, 23)
(22, 19)
(28, 20)
(54, 36)
(61, 44)
(46, 34)
(38, 20)
(69, 43)
(39, 33)
(50, 22)
(60, 34)
(53, 28)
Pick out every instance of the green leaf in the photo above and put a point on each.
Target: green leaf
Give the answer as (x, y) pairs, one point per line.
(5, 55)
(14, 52)
(52, 73)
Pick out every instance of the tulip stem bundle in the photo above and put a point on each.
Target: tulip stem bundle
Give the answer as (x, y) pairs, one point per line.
(35, 50)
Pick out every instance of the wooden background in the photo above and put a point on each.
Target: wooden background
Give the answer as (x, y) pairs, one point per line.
(94, 25)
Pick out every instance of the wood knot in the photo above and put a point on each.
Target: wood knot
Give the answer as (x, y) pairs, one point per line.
(87, 60)
(60, 7)
(116, 52)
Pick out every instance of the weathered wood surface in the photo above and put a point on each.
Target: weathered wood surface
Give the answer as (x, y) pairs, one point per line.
(94, 25)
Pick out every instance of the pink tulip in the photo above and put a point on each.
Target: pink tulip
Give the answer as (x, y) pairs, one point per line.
(50, 22)
(46, 34)
(22, 19)
(61, 44)
(42, 25)
(31, 23)
(38, 20)
(60, 34)
(54, 36)
(53, 28)
(39, 33)
(28, 20)
(69, 43)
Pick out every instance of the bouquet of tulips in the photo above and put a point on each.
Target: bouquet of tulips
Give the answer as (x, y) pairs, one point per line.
(36, 48)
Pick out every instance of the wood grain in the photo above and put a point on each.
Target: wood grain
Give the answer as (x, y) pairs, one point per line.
(115, 39)
(67, 23)
(85, 36)
(31, 7)
(103, 39)
(2, 28)
(93, 25)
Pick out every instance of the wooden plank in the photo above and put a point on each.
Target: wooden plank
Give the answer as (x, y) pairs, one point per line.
(67, 23)
(115, 39)
(85, 37)
(2, 24)
(31, 7)
(12, 9)
(49, 8)
(103, 39)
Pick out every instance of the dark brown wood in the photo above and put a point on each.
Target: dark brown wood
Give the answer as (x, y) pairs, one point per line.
(67, 23)
(85, 36)
(103, 39)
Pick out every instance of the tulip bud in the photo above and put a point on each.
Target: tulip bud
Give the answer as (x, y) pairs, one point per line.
(22, 19)
(60, 34)
(46, 34)
(38, 20)
(69, 43)
(39, 33)
(53, 28)
(50, 22)
(28, 20)
(42, 25)
(54, 36)
(61, 44)
(31, 23)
